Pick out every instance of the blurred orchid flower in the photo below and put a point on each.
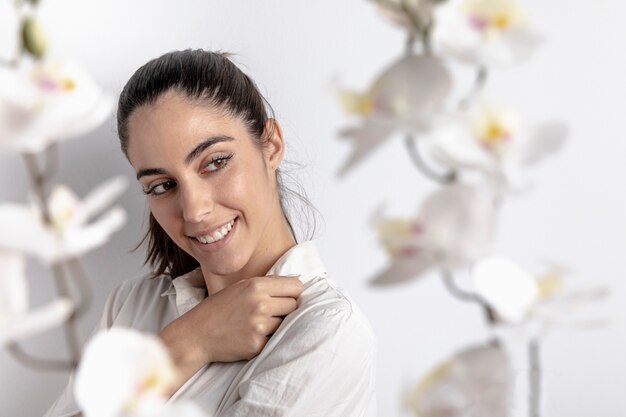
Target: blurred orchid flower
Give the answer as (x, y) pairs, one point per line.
(492, 141)
(16, 321)
(475, 382)
(48, 102)
(485, 32)
(520, 298)
(68, 234)
(409, 96)
(414, 15)
(124, 373)
(455, 226)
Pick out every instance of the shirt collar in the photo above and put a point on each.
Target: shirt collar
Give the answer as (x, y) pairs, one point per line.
(301, 260)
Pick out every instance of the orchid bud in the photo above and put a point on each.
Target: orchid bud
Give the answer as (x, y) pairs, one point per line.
(34, 39)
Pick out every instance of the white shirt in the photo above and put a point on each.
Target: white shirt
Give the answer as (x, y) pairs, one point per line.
(320, 362)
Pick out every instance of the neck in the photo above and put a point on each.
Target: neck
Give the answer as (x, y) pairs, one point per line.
(275, 243)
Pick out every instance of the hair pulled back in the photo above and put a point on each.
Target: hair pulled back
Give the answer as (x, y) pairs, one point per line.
(206, 78)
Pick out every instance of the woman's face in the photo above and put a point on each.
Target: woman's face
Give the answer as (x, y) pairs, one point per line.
(208, 184)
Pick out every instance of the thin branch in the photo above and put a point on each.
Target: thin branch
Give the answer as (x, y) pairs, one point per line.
(71, 333)
(39, 184)
(80, 278)
(464, 295)
(479, 84)
(534, 397)
(60, 278)
(52, 161)
(38, 363)
(414, 152)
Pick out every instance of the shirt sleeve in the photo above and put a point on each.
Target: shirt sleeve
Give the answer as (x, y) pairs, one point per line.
(65, 405)
(323, 365)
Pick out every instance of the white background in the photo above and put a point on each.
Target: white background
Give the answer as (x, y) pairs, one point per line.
(296, 51)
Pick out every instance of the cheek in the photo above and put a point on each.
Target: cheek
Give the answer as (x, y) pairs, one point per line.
(249, 190)
(163, 214)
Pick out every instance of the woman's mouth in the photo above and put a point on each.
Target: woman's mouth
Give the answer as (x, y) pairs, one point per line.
(218, 234)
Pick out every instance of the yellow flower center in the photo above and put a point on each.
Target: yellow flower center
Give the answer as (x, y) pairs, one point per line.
(550, 284)
(68, 84)
(494, 16)
(62, 205)
(494, 134)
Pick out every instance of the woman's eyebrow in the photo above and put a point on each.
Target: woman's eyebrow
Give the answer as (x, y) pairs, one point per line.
(150, 171)
(192, 155)
(204, 145)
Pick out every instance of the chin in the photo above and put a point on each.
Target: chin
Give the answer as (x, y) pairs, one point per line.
(224, 267)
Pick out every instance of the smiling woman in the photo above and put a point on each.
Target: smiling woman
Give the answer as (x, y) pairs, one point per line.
(248, 314)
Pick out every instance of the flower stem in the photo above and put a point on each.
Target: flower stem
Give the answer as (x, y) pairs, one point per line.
(479, 84)
(414, 152)
(80, 277)
(71, 332)
(61, 279)
(464, 295)
(534, 378)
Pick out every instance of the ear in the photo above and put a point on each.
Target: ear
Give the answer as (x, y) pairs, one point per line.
(275, 145)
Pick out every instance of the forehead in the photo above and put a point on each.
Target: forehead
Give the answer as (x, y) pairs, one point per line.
(174, 124)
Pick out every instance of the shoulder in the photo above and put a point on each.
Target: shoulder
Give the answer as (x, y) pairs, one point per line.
(134, 295)
(326, 311)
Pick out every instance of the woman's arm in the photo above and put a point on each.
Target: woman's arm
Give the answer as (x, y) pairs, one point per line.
(233, 324)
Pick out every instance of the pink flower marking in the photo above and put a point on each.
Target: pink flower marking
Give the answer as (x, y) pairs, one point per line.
(478, 23)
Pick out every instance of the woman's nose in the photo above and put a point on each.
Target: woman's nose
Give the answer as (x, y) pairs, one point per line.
(196, 205)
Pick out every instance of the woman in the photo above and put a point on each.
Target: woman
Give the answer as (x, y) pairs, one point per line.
(249, 316)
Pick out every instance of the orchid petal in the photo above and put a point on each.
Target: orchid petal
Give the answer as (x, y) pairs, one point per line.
(13, 286)
(47, 102)
(460, 222)
(36, 321)
(98, 113)
(123, 370)
(23, 231)
(506, 287)
(100, 198)
(16, 322)
(408, 95)
(80, 240)
(405, 269)
(365, 140)
(179, 409)
(477, 381)
(547, 138)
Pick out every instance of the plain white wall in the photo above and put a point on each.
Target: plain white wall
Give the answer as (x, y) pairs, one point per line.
(295, 51)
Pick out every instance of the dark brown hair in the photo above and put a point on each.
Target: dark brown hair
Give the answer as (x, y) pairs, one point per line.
(208, 78)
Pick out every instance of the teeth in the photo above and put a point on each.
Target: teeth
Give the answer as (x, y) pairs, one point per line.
(217, 235)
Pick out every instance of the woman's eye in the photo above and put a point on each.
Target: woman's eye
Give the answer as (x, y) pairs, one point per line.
(161, 188)
(217, 163)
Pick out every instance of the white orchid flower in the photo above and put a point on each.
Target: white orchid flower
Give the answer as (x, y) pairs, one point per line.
(68, 234)
(538, 303)
(16, 321)
(47, 102)
(493, 141)
(407, 96)
(410, 14)
(454, 227)
(485, 32)
(477, 381)
(124, 373)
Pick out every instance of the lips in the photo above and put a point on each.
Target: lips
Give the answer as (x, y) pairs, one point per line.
(216, 234)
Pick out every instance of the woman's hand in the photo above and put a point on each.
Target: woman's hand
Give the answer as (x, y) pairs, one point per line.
(232, 324)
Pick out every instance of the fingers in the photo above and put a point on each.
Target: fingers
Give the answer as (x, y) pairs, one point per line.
(272, 325)
(280, 286)
(281, 306)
